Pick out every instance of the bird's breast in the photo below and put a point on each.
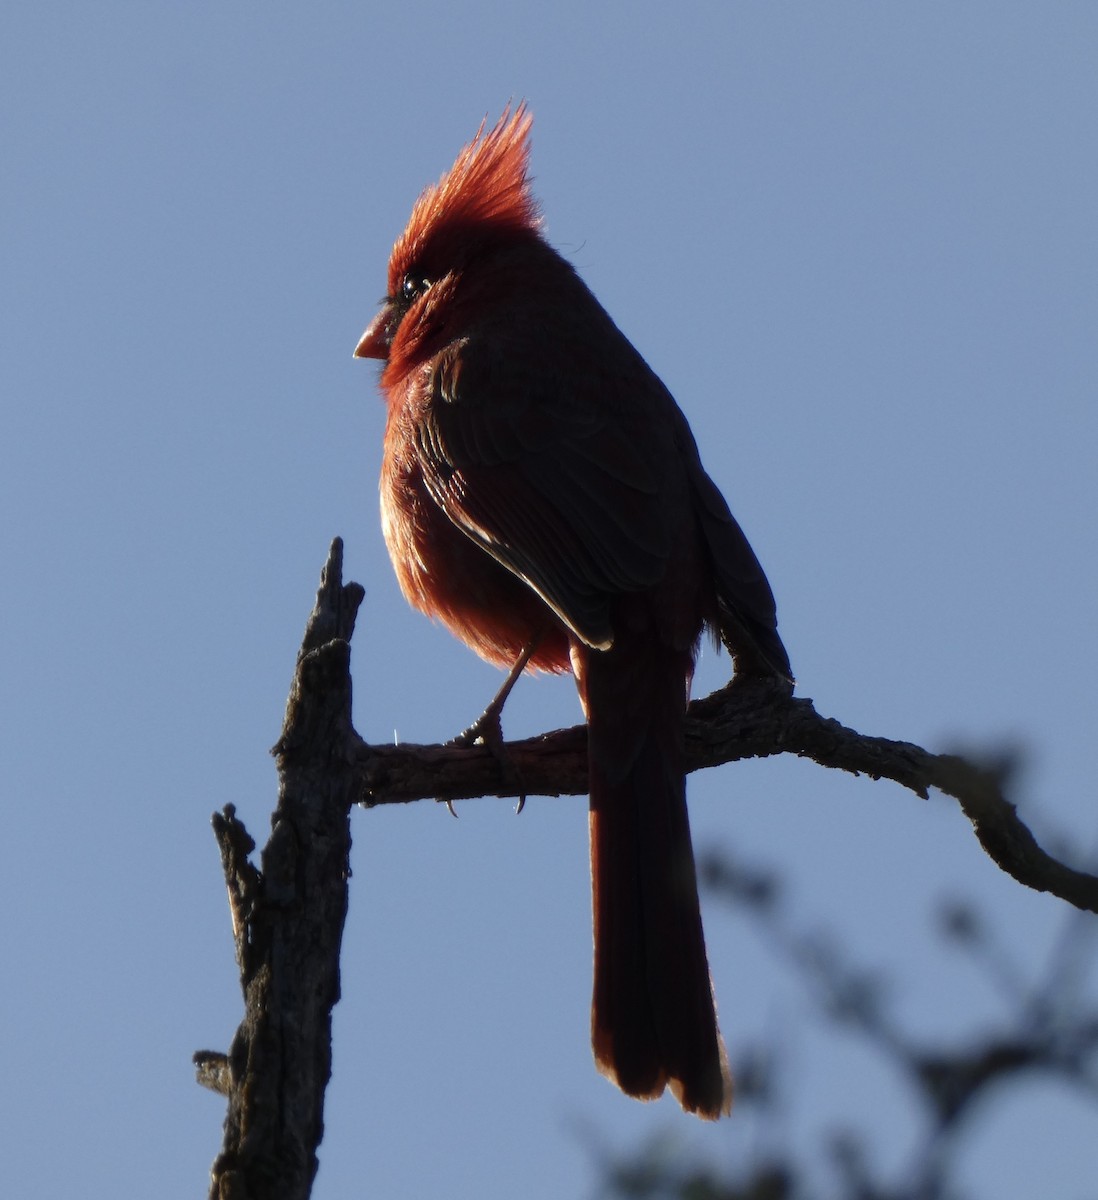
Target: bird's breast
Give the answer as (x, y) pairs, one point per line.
(449, 577)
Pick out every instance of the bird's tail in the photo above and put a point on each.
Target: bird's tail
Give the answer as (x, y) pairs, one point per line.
(653, 1018)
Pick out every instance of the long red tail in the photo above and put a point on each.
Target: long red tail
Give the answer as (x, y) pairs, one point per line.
(653, 1019)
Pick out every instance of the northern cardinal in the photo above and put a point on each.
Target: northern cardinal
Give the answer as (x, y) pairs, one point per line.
(541, 492)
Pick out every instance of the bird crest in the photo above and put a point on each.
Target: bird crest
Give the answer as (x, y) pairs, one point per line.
(486, 186)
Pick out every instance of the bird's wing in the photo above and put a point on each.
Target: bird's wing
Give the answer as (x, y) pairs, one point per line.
(746, 610)
(545, 481)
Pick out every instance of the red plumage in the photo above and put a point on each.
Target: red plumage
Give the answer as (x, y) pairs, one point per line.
(540, 485)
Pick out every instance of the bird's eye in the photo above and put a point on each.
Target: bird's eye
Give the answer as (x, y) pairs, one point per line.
(412, 286)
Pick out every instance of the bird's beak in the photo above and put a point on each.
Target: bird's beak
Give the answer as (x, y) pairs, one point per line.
(377, 339)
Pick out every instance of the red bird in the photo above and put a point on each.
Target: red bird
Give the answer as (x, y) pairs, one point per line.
(542, 493)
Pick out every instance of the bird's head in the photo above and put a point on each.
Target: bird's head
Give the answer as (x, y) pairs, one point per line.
(481, 204)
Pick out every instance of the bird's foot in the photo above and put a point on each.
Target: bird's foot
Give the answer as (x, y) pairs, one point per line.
(488, 729)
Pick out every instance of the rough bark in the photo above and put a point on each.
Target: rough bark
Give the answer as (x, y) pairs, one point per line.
(288, 920)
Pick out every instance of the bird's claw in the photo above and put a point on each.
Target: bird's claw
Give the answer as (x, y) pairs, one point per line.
(487, 728)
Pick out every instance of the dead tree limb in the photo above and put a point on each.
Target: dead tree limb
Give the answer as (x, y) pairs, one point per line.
(288, 914)
(288, 920)
(743, 720)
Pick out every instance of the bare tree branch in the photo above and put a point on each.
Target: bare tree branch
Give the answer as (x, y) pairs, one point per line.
(748, 719)
(288, 924)
(288, 914)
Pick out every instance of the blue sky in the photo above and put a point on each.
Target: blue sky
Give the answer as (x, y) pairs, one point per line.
(858, 243)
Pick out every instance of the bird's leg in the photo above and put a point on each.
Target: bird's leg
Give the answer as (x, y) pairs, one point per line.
(488, 727)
